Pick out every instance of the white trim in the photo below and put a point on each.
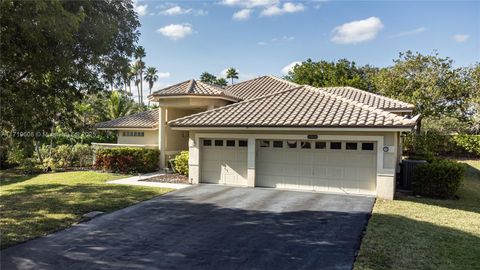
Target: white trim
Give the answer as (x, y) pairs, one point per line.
(352, 129)
(125, 145)
(127, 128)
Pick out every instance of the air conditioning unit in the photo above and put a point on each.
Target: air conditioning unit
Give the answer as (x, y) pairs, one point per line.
(408, 167)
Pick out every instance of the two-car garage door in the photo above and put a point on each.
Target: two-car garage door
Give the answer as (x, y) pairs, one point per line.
(333, 166)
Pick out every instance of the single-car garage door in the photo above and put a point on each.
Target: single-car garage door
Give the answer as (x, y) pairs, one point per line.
(224, 161)
(335, 166)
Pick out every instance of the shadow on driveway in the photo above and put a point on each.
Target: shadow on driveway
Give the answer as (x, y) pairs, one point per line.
(209, 227)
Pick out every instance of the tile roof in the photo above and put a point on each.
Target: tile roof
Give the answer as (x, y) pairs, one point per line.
(260, 86)
(194, 88)
(304, 107)
(368, 98)
(147, 119)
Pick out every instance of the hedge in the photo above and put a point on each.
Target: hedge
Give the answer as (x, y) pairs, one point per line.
(439, 179)
(432, 143)
(127, 159)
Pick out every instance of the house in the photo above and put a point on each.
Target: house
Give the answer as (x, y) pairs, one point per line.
(269, 132)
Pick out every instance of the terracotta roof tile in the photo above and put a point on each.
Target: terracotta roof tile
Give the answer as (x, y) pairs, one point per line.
(303, 106)
(260, 86)
(147, 119)
(194, 88)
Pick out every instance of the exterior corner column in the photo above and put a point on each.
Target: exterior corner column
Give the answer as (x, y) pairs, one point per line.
(251, 162)
(193, 159)
(161, 136)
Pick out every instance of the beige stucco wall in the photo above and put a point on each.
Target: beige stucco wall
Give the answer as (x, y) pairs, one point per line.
(176, 140)
(150, 137)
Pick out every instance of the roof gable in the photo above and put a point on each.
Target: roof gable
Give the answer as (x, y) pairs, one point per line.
(302, 106)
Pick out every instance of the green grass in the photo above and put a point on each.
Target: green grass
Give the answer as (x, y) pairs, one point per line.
(32, 206)
(421, 233)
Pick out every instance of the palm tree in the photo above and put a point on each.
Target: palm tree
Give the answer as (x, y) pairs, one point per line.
(221, 82)
(118, 105)
(232, 74)
(139, 54)
(151, 77)
(208, 78)
(135, 71)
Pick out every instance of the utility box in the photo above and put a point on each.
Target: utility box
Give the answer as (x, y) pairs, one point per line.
(408, 167)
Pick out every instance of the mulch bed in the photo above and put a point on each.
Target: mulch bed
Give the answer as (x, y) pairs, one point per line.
(168, 178)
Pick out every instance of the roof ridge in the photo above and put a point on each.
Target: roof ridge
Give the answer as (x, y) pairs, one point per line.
(168, 87)
(247, 81)
(283, 80)
(374, 94)
(190, 86)
(353, 102)
(236, 103)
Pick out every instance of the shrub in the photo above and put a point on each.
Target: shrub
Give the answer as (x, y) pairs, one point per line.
(127, 159)
(469, 143)
(181, 163)
(62, 155)
(82, 154)
(440, 178)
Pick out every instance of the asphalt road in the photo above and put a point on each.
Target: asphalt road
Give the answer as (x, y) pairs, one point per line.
(209, 227)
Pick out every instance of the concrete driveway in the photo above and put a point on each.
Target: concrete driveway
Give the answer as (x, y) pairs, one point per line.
(209, 227)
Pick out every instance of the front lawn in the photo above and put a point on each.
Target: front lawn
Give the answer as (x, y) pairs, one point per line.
(421, 233)
(32, 206)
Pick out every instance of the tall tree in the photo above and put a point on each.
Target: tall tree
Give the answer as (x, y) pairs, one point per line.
(221, 82)
(139, 55)
(118, 105)
(208, 78)
(136, 71)
(53, 52)
(340, 73)
(232, 74)
(432, 83)
(151, 77)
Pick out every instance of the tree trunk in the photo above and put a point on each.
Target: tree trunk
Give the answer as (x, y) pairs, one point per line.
(37, 149)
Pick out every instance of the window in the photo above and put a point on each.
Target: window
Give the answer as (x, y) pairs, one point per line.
(218, 142)
(292, 144)
(351, 146)
(335, 145)
(277, 144)
(367, 146)
(264, 144)
(306, 145)
(231, 143)
(133, 134)
(207, 142)
(320, 145)
(242, 143)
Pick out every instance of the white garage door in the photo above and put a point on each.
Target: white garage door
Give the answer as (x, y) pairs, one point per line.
(224, 161)
(333, 166)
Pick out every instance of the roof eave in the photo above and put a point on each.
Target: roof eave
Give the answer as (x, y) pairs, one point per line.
(296, 128)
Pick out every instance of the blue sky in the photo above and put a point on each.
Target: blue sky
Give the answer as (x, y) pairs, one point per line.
(183, 39)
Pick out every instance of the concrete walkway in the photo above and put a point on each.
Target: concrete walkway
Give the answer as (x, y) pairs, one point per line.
(136, 181)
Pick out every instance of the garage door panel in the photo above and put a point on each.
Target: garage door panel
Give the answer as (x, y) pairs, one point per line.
(333, 170)
(222, 164)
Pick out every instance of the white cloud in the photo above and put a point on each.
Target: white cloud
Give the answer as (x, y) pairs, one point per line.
(277, 40)
(287, 7)
(242, 14)
(286, 69)
(461, 37)
(410, 32)
(250, 3)
(163, 75)
(357, 31)
(176, 31)
(262, 43)
(141, 10)
(176, 10)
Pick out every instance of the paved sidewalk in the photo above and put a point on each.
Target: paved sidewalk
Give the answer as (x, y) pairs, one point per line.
(135, 181)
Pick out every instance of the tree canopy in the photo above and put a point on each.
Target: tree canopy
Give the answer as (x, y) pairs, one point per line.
(54, 52)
